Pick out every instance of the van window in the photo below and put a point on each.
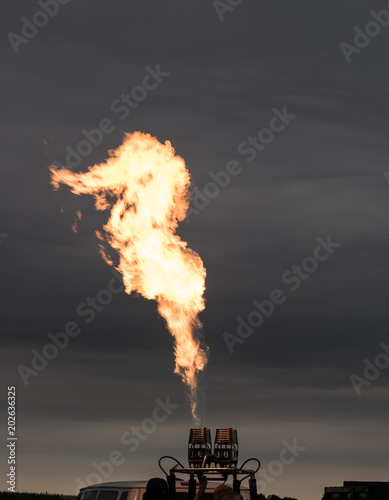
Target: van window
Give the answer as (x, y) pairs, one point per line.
(133, 495)
(90, 495)
(108, 495)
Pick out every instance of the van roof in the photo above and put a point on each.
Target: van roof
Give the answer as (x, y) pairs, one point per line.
(118, 484)
(142, 484)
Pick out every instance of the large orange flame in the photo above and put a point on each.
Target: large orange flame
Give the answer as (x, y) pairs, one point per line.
(146, 187)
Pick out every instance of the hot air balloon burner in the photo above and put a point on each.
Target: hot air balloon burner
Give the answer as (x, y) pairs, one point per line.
(199, 446)
(226, 450)
(218, 465)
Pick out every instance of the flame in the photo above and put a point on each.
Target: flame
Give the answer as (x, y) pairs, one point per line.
(146, 187)
(76, 221)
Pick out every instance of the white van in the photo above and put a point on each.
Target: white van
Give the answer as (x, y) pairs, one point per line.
(134, 490)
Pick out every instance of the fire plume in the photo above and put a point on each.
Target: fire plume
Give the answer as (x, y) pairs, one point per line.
(145, 185)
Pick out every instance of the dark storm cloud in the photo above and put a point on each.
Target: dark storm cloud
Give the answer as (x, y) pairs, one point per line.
(323, 175)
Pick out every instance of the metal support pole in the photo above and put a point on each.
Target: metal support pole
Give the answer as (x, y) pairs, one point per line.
(253, 487)
(171, 481)
(191, 487)
(236, 484)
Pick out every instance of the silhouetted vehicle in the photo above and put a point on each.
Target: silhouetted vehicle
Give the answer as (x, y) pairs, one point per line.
(358, 490)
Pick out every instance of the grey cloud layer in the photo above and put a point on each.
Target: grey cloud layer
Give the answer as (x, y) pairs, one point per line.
(323, 175)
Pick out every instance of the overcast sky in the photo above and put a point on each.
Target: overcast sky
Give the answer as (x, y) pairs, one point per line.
(222, 74)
